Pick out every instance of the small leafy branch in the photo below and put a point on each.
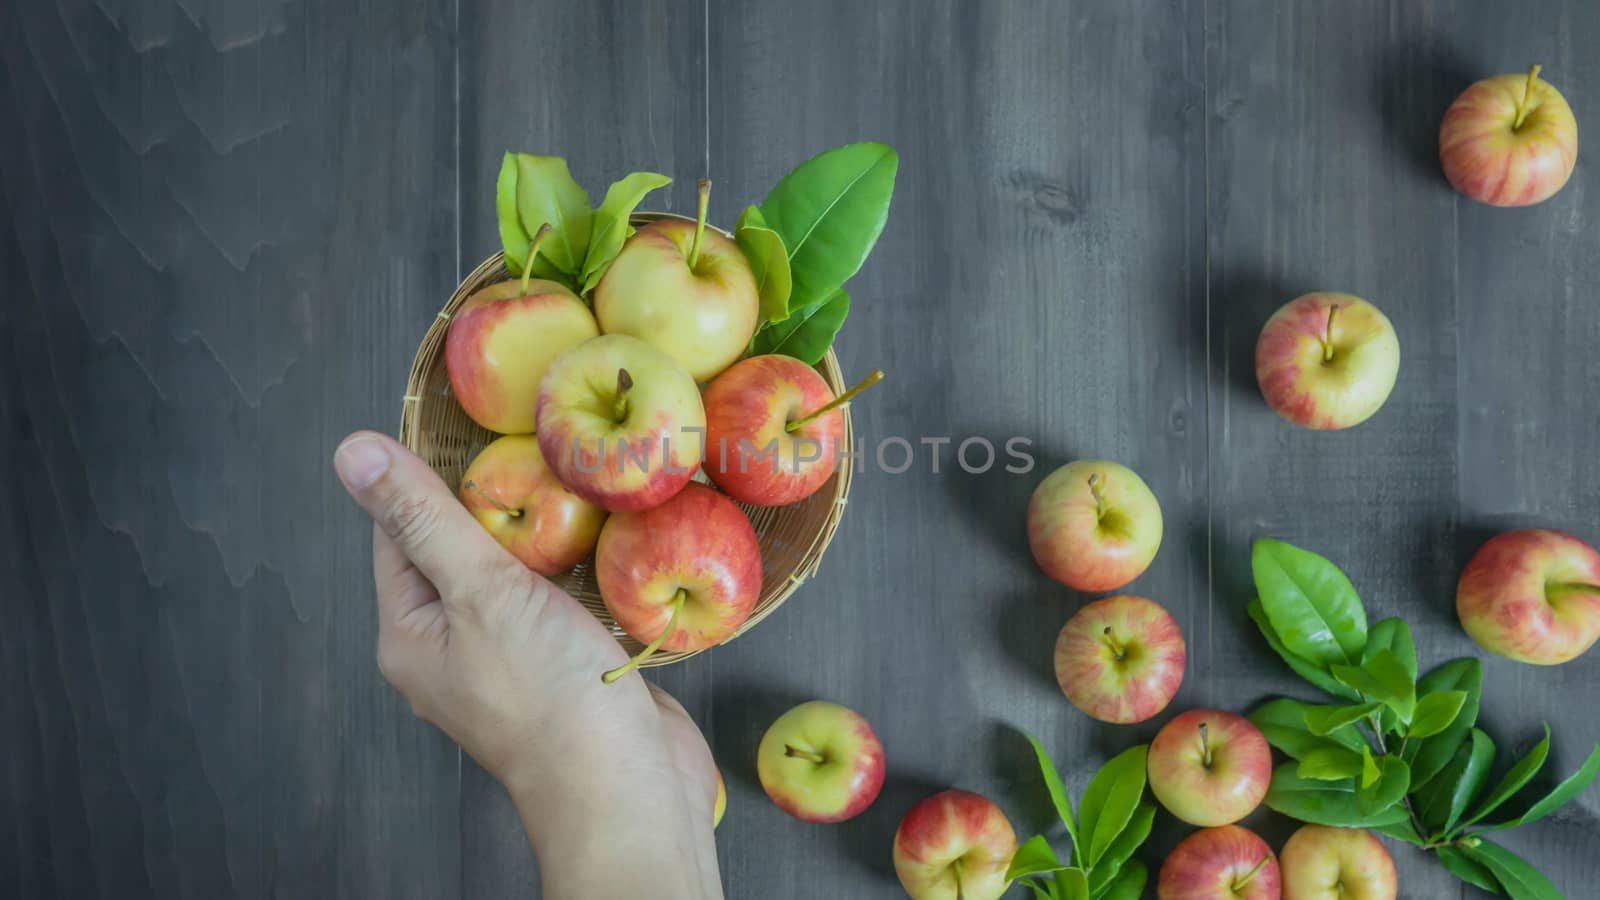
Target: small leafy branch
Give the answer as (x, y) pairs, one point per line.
(1399, 755)
(1113, 821)
(805, 240)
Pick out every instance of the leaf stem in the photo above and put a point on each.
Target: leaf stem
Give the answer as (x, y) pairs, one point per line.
(473, 487)
(1527, 94)
(1327, 340)
(619, 406)
(873, 377)
(533, 250)
(810, 756)
(700, 222)
(1117, 649)
(1239, 883)
(1097, 489)
(678, 600)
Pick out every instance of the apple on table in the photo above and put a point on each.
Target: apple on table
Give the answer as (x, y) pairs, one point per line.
(1209, 767)
(1320, 862)
(684, 288)
(1223, 863)
(620, 423)
(954, 845)
(1120, 659)
(1532, 595)
(1510, 140)
(1327, 360)
(502, 340)
(518, 499)
(774, 429)
(821, 762)
(1094, 525)
(682, 576)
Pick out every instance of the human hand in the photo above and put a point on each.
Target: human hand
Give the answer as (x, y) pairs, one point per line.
(509, 666)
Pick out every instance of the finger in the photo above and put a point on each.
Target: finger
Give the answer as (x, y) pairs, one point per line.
(402, 589)
(423, 518)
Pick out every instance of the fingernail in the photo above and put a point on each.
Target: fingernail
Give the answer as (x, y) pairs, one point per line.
(360, 461)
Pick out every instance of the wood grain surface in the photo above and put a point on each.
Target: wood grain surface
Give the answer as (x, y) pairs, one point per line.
(228, 223)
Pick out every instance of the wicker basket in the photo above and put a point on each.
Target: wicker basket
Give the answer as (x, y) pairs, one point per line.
(435, 427)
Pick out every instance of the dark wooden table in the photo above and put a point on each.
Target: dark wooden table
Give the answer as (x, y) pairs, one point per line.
(228, 224)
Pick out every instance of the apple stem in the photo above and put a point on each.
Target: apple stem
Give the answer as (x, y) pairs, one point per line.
(533, 250)
(619, 406)
(1527, 94)
(1117, 650)
(473, 487)
(678, 600)
(700, 222)
(1205, 746)
(1327, 341)
(1561, 589)
(873, 377)
(960, 891)
(1239, 883)
(809, 756)
(1097, 487)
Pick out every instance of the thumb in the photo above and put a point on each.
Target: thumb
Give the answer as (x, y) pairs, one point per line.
(415, 509)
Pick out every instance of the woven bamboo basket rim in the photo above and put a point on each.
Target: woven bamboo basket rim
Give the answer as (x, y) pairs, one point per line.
(792, 538)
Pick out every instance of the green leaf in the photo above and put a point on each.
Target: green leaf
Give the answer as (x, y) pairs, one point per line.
(1520, 879)
(1329, 764)
(547, 193)
(1370, 772)
(807, 334)
(1123, 848)
(1315, 674)
(1310, 603)
(1129, 883)
(1468, 869)
(1394, 635)
(1517, 776)
(1382, 677)
(1435, 712)
(1072, 884)
(611, 228)
(1034, 857)
(1283, 723)
(769, 261)
(1323, 720)
(1558, 797)
(1109, 801)
(1400, 831)
(829, 212)
(1440, 804)
(1324, 802)
(1058, 791)
(1042, 890)
(1432, 754)
(1388, 789)
(514, 239)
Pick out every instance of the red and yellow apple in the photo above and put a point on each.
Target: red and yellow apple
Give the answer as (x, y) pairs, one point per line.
(1209, 767)
(955, 845)
(821, 762)
(1324, 863)
(774, 429)
(1327, 361)
(514, 495)
(685, 288)
(620, 423)
(681, 576)
(1094, 525)
(1509, 140)
(1222, 863)
(1532, 595)
(502, 341)
(1120, 659)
